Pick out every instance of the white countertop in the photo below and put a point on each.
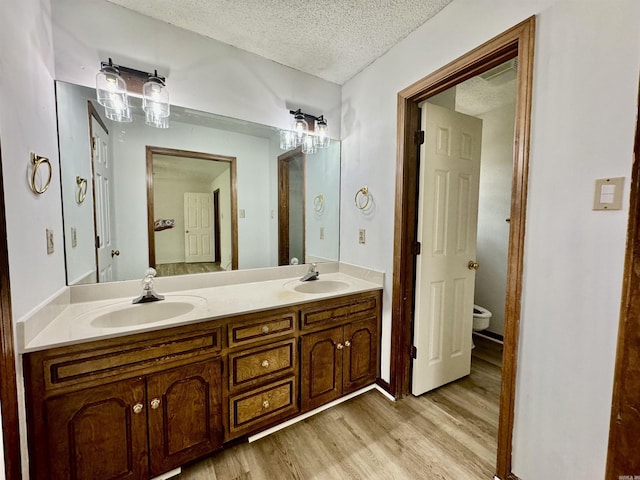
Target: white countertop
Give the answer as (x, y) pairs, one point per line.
(75, 322)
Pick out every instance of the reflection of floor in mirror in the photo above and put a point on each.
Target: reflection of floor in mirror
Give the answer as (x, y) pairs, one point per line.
(170, 269)
(448, 434)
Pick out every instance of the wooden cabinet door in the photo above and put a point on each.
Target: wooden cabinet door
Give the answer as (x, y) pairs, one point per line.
(321, 367)
(96, 433)
(184, 412)
(360, 354)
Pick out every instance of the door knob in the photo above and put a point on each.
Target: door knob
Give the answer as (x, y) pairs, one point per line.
(472, 265)
(115, 253)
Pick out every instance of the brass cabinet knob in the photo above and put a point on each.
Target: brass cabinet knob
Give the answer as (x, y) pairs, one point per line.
(115, 253)
(347, 343)
(137, 408)
(265, 404)
(265, 329)
(339, 346)
(472, 265)
(265, 363)
(155, 403)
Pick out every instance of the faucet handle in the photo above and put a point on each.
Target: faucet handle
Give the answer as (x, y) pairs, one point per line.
(312, 267)
(151, 272)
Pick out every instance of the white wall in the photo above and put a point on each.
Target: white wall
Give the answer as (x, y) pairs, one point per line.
(585, 95)
(28, 124)
(201, 73)
(494, 207)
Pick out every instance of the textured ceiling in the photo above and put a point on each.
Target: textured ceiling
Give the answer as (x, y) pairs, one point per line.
(331, 39)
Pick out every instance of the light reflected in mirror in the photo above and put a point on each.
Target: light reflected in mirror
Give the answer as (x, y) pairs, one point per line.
(134, 213)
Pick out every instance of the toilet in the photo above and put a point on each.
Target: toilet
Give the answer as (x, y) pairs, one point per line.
(481, 318)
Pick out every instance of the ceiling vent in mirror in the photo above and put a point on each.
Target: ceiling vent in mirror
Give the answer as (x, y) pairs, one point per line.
(510, 66)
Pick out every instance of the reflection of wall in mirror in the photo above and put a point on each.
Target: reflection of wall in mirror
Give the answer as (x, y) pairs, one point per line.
(323, 178)
(73, 131)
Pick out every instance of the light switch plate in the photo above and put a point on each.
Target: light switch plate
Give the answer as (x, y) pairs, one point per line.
(321, 233)
(362, 236)
(49, 241)
(608, 194)
(74, 237)
(242, 214)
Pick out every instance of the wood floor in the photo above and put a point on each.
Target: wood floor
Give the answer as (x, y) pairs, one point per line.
(170, 269)
(447, 434)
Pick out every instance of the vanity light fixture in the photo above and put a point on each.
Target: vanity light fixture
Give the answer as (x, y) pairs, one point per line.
(308, 131)
(113, 91)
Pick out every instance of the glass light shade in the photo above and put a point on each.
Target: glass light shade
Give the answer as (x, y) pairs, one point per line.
(321, 133)
(309, 144)
(300, 129)
(111, 89)
(155, 97)
(155, 121)
(122, 115)
(287, 141)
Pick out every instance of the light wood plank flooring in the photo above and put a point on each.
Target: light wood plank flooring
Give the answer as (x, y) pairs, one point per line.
(447, 434)
(170, 269)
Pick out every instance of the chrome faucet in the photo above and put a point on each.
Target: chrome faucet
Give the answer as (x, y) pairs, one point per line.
(312, 273)
(148, 293)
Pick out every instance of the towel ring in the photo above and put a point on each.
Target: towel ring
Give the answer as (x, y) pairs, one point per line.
(82, 189)
(318, 203)
(363, 198)
(37, 162)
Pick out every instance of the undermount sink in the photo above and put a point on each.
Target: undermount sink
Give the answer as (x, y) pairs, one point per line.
(321, 286)
(128, 315)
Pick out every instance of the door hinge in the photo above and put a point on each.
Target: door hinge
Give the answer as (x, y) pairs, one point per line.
(416, 248)
(419, 137)
(413, 352)
(98, 241)
(93, 143)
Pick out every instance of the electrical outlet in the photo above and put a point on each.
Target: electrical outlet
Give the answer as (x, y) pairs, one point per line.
(362, 236)
(49, 241)
(74, 237)
(321, 233)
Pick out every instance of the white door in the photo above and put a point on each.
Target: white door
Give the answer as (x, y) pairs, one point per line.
(198, 227)
(103, 188)
(447, 225)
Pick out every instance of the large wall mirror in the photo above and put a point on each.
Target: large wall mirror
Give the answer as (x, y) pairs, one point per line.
(199, 196)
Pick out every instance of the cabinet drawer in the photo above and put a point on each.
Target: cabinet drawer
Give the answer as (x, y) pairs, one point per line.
(262, 406)
(96, 362)
(261, 327)
(339, 310)
(261, 364)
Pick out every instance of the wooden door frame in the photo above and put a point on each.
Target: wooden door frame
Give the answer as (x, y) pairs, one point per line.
(283, 204)
(517, 41)
(622, 456)
(217, 255)
(8, 379)
(150, 152)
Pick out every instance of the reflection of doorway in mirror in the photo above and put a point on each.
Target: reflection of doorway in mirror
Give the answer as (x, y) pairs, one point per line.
(195, 193)
(102, 167)
(291, 207)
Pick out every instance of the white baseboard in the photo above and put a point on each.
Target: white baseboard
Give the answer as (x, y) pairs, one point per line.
(304, 416)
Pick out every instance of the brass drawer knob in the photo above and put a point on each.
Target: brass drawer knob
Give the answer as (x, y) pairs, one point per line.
(347, 343)
(265, 363)
(265, 329)
(265, 404)
(339, 346)
(137, 408)
(155, 403)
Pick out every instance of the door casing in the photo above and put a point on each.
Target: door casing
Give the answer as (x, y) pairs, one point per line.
(517, 41)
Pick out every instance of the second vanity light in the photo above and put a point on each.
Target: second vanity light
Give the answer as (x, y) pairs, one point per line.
(113, 94)
(308, 131)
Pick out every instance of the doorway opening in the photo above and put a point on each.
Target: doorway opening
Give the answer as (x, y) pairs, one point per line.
(191, 211)
(517, 42)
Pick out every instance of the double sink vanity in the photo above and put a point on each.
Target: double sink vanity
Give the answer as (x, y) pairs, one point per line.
(117, 390)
